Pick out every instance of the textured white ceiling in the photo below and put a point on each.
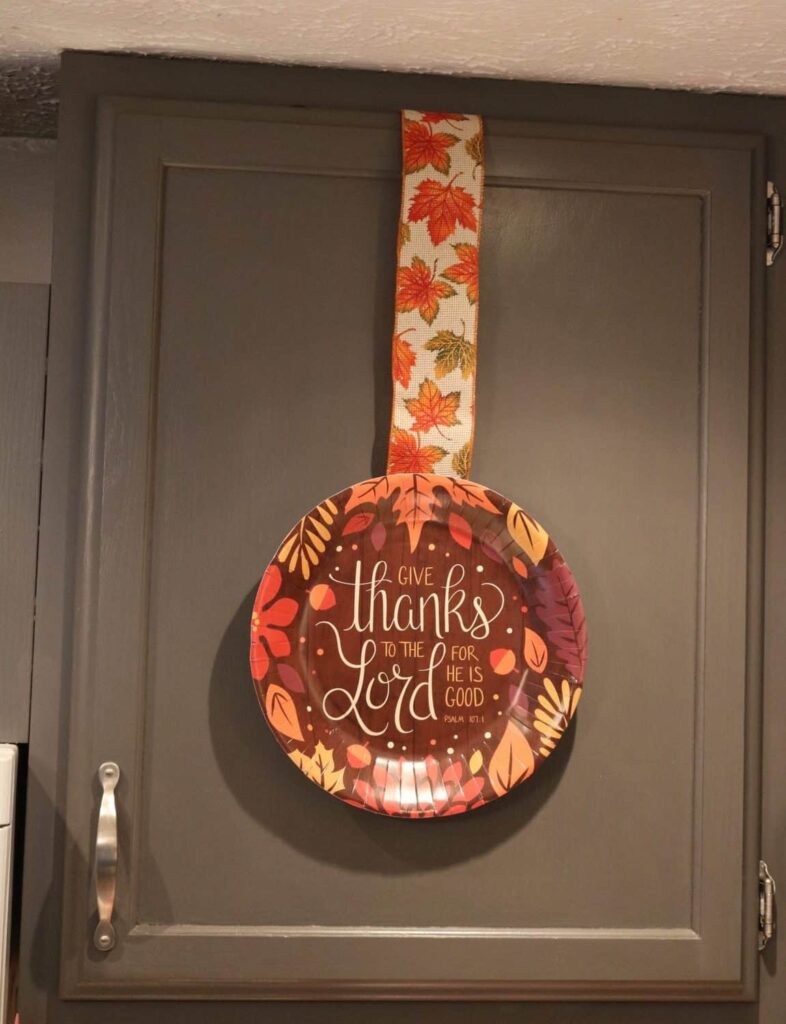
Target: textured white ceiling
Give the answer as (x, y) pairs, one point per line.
(737, 45)
(701, 44)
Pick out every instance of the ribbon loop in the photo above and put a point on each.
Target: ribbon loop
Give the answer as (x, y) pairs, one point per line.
(436, 320)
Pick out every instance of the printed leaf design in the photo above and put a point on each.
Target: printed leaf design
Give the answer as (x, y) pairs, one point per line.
(512, 761)
(465, 492)
(369, 492)
(462, 460)
(358, 756)
(517, 698)
(556, 708)
(529, 535)
(559, 607)
(489, 543)
(466, 271)
(403, 359)
(320, 768)
(474, 148)
(471, 789)
(415, 498)
(432, 117)
(520, 567)
(267, 640)
(357, 523)
(291, 678)
(379, 536)
(432, 409)
(364, 791)
(407, 456)
(536, 654)
(454, 352)
(282, 713)
(423, 146)
(443, 207)
(415, 505)
(404, 234)
(460, 530)
(476, 762)
(306, 543)
(417, 288)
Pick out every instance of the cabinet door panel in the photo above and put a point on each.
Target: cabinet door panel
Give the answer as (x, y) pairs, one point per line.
(243, 277)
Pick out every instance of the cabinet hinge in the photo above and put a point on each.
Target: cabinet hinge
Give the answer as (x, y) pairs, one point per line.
(774, 223)
(766, 905)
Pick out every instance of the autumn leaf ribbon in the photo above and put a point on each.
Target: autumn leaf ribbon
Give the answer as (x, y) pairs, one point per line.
(436, 307)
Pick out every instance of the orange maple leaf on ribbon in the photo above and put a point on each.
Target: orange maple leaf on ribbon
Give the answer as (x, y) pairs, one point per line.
(423, 146)
(466, 270)
(444, 206)
(403, 359)
(434, 117)
(417, 288)
(406, 455)
(432, 408)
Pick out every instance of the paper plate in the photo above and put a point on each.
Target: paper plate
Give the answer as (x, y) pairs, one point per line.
(418, 645)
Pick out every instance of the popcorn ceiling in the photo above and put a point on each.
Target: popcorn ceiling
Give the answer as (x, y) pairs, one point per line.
(730, 45)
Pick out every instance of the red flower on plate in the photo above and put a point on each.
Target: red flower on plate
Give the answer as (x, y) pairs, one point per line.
(266, 639)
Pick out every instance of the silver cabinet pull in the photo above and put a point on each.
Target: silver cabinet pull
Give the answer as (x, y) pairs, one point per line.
(106, 858)
(766, 905)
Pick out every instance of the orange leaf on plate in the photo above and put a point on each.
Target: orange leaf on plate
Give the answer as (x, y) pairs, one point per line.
(460, 530)
(512, 761)
(357, 523)
(415, 505)
(520, 566)
(528, 534)
(281, 712)
(465, 492)
(536, 654)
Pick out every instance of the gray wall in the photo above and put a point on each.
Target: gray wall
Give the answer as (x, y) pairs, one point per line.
(27, 172)
(26, 195)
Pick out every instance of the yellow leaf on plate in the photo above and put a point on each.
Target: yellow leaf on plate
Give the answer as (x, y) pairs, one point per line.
(529, 535)
(320, 768)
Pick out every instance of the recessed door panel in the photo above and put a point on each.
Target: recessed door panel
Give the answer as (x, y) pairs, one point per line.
(244, 272)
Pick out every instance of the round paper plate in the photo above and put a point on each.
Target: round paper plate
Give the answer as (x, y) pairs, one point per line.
(418, 645)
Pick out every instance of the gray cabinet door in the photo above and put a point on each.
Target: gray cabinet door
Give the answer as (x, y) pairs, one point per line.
(240, 289)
